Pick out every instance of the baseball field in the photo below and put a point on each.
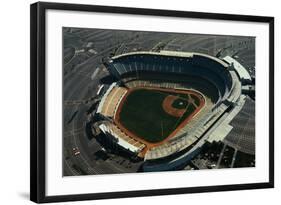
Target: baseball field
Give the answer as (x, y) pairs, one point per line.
(153, 115)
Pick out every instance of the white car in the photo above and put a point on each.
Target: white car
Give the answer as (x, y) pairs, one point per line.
(75, 151)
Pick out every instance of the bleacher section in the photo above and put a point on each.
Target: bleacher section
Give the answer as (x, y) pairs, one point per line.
(122, 138)
(176, 81)
(236, 89)
(111, 101)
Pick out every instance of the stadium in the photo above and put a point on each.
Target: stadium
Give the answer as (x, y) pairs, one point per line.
(164, 106)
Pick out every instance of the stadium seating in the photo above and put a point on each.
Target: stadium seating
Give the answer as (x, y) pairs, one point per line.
(113, 99)
(118, 133)
(175, 81)
(196, 66)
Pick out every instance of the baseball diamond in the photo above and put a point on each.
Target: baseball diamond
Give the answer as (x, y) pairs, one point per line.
(145, 113)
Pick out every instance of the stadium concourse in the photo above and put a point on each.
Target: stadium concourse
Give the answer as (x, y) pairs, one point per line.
(218, 81)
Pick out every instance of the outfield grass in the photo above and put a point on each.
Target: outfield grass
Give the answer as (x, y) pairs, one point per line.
(143, 115)
(196, 100)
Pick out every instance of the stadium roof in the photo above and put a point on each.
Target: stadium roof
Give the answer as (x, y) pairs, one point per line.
(173, 53)
(241, 70)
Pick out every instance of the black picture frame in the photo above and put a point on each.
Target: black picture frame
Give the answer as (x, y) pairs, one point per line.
(38, 100)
